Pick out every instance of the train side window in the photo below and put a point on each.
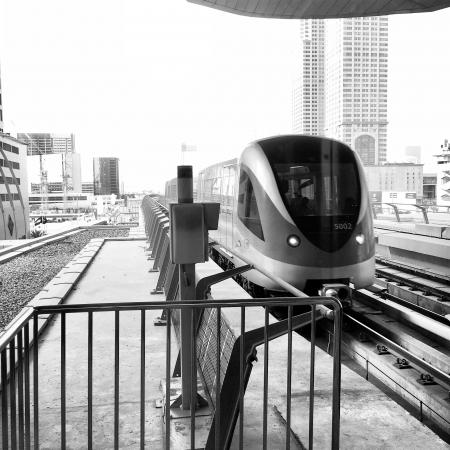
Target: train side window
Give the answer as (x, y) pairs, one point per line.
(247, 207)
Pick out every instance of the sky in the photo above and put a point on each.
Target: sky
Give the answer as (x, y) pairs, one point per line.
(137, 79)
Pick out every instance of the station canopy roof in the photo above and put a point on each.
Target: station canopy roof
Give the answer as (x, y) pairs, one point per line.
(322, 9)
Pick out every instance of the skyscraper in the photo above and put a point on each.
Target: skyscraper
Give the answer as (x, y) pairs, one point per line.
(106, 176)
(353, 66)
(14, 209)
(1, 107)
(309, 96)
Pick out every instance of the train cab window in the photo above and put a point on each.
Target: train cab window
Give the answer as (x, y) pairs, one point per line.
(247, 207)
(320, 186)
(316, 191)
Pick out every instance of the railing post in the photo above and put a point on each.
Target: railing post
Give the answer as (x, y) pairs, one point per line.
(189, 225)
(186, 292)
(424, 213)
(395, 208)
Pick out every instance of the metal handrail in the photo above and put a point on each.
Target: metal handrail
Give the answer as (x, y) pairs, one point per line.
(335, 314)
(395, 206)
(181, 304)
(16, 326)
(16, 342)
(25, 425)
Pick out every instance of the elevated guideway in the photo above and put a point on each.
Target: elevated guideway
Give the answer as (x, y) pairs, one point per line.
(418, 244)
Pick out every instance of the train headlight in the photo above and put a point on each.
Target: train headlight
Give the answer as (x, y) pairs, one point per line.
(338, 290)
(293, 240)
(360, 239)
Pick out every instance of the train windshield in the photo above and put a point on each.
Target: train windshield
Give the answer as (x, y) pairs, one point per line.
(320, 186)
(313, 189)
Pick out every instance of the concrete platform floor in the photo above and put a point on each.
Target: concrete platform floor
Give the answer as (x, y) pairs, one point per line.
(120, 273)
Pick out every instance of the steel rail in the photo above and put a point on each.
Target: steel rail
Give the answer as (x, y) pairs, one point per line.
(415, 284)
(412, 270)
(431, 322)
(369, 297)
(396, 348)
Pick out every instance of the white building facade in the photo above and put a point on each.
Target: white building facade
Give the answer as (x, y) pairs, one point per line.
(343, 84)
(356, 71)
(14, 209)
(309, 97)
(395, 177)
(1, 107)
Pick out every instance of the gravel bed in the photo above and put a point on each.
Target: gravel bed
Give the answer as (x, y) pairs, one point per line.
(24, 276)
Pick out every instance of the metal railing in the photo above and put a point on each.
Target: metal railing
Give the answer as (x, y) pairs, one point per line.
(225, 388)
(20, 370)
(157, 227)
(400, 212)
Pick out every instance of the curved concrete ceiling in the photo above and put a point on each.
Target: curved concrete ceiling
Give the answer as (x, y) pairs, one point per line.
(322, 9)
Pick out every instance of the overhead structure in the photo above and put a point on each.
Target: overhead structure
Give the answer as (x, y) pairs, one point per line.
(322, 9)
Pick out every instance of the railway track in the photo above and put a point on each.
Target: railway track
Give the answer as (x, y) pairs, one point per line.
(401, 346)
(405, 350)
(398, 331)
(423, 280)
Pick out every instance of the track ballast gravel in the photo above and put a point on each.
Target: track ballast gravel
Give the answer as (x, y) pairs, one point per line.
(24, 276)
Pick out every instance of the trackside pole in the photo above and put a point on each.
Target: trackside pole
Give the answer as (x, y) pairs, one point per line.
(189, 225)
(186, 292)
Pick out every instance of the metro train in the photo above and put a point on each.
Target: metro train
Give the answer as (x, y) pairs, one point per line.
(298, 206)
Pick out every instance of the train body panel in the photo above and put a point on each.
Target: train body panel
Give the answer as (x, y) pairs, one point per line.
(264, 218)
(359, 274)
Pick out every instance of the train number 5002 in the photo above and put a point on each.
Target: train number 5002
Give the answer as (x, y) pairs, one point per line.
(343, 226)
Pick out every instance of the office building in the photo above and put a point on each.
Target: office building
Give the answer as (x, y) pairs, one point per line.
(14, 209)
(344, 87)
(106, 176)
(87, 187)
(395, 177)
(52, 159)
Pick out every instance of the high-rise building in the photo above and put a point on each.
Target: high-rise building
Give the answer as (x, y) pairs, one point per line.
(352, 102)
(308, 103)
(356, 65)
(14, 208)
(1, 107)
(106, 176)
(55, 155)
